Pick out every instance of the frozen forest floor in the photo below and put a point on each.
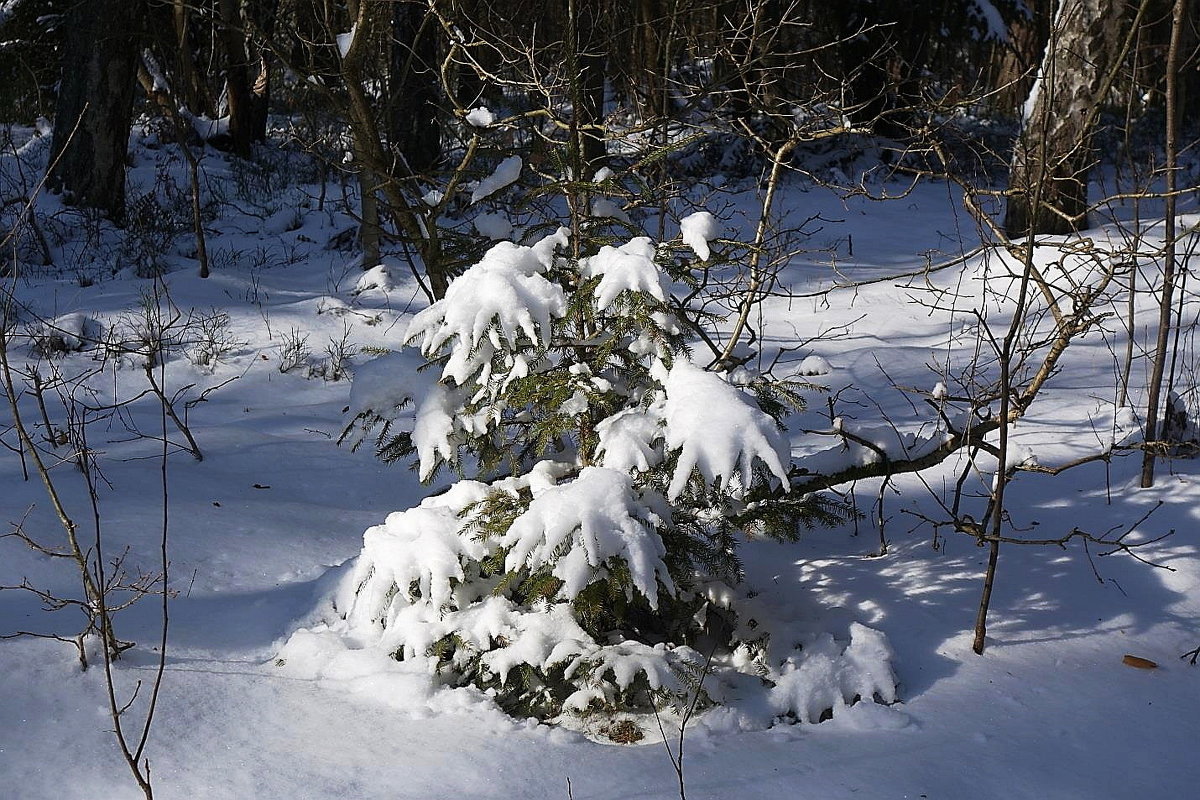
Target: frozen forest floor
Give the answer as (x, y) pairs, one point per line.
(1049, 711)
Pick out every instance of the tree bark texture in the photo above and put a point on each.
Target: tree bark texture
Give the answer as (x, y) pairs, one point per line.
(237, 79)
(191, 90)
(247, 70)
(263, 16)
(591, 60)
(1055, 149)
(95, 104)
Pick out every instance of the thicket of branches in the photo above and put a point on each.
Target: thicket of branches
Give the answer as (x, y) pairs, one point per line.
(403, 81)
(602, 116)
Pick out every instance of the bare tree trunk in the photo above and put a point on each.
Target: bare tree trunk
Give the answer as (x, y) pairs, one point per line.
(413, 82)
(590, 53)
(1055, 150)
(1014, 69)
(649, 76)
(190, 88)
(369, 18)
(238, 93)
(95, 104)
(1178, 17)
(885, 46)
(369, 232)
(263, 13)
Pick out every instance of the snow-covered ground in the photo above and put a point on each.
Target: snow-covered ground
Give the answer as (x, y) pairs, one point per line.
(1049, 711)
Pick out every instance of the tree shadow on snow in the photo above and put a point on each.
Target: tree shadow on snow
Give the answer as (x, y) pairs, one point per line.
(926, 600)
(246, 625)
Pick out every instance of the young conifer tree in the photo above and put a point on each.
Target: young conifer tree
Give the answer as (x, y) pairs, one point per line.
(588, 565)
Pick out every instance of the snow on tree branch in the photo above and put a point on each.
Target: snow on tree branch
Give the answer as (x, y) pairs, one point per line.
(420, 548)
(503, 296)
(697, 230)
(577, 527)
(629, 267)
(506, 173)
(717, 430)
(574, 583)
(629, 440)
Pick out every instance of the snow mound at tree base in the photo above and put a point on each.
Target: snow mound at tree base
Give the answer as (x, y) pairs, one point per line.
(416, 623)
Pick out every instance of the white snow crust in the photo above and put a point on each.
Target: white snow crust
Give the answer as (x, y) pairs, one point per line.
(504, 295)
(993, 21)
(814, 365)
(629, 440)
(387, 384)
(493, 226)
(480, 117)
(377, 278)
(69, 333)
(346, 40)
(271, 692)
(601, 518)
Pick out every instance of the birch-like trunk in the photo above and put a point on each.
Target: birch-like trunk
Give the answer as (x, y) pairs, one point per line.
(1055, 149)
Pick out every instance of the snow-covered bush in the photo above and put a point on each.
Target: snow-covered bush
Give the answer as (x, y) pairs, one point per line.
(70, 333)
(587, 565)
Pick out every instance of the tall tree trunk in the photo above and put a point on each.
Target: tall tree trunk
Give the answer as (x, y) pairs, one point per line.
(589, 53)
(1055, 149)
(95, 104)
(649, 76)
(370, 234)
(369, 17)
(1015, 67)
(1156, 428)
(413, 81)
(263, 15)
(884, 48)
(238, 85)
(190, 88)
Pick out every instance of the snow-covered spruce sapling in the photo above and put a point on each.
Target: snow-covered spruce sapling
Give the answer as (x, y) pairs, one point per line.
(587, 567)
